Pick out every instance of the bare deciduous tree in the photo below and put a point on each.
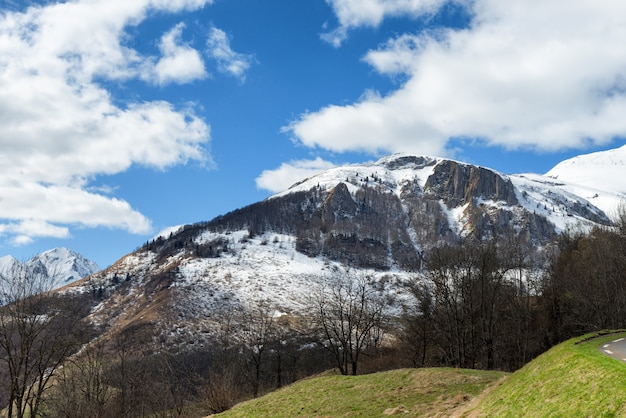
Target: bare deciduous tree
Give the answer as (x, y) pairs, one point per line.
(585, 289)
(472, 292)
(259, 326)
(417, 322)
(83, 387)
(38, 331)
(221, 390)
(350, 313)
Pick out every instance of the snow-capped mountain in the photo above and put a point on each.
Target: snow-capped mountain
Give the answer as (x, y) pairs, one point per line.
(375, 219)
(599, 177)
(57, 267)
(64, 266)
(463, 190)
(9, 263)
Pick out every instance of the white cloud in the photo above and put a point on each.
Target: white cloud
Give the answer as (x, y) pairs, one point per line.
(545, 76)
(174, 6)
(290, 173)
(179, 63)
(166, 232)
(24, 231)
(23, 203)
(228, 61)
(356, 13)
(59, 128)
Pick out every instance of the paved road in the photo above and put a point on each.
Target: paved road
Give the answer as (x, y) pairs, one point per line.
(615, 349)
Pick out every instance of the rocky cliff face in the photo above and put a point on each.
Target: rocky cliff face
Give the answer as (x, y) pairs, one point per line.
(456, 184)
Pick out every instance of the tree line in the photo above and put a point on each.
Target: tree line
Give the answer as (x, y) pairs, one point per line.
(495, 304)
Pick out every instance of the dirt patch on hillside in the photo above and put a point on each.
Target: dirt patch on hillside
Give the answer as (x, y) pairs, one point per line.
(468, 410)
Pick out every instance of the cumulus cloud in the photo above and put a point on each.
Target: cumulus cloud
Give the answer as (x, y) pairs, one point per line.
(290, 173)
(180, 63)
(543, 76)
(59, 128)
(228, 61)
(23, 232)
(356, 13)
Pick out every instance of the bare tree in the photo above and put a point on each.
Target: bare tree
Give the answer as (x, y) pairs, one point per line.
(83, 387)
(350, 313)
(417, 321)
(38, 331)
(468, 281)
(619, 219)
(221, 390)
(175, 379)
(128, 375)
(259, 326)
(585, 289)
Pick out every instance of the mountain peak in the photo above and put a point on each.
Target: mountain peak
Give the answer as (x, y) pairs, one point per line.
(598, 177)
(7, 263)
(64, 265)
(404, 160)
(60, 266)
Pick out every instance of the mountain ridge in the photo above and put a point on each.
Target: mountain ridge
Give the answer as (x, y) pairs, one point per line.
(374, 220)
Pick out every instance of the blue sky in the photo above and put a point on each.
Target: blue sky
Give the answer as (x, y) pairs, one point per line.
(121, 118)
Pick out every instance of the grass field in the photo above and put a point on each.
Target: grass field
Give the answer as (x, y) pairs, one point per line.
(573, 379)
(408, 392)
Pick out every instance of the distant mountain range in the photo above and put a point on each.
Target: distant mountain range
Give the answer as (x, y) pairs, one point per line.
(375, 219)
(56, 268)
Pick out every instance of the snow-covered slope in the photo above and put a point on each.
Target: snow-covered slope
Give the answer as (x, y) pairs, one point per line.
(393, 171)
(599, 177)
(196, 296)
(265, 269)
(561, 204)
(8, 263)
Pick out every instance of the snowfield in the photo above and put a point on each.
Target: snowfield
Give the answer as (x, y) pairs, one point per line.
(262, 271)
(599, 177)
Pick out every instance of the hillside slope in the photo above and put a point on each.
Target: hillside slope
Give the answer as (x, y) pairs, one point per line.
(405, 392)
(571, 379)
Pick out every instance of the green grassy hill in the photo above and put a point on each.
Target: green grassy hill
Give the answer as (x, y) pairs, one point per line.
(573, 379)
(407, 392)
